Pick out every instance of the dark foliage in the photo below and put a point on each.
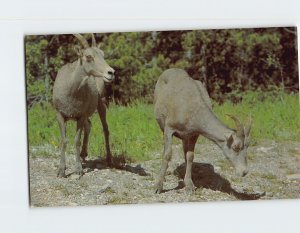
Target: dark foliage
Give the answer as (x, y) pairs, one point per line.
(229, 62)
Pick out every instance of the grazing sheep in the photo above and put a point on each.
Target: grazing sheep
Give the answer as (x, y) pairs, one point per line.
(77, 93)
(183, 109)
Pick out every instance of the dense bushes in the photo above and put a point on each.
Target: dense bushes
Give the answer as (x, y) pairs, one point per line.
(229, 62)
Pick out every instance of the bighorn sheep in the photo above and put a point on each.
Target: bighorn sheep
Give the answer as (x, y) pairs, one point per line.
(183, 109)
(77, 93)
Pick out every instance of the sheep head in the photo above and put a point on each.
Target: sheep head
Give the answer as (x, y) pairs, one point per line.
(92, 60)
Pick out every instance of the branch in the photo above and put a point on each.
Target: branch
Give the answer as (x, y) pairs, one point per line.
(290, 31)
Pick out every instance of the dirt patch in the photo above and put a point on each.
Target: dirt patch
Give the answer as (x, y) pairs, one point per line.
(274, 170)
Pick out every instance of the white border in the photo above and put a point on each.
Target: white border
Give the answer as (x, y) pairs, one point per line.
(42, 17)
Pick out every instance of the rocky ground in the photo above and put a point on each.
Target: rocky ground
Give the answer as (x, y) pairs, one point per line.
(274, 173)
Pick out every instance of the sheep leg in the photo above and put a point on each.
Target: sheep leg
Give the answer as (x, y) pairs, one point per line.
(185, 148)
(63, 145)
(80, 125)
(87, 130)
(102, 115)
(190, 145)
(165, 160)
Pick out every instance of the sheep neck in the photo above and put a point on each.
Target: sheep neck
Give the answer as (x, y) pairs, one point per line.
(78, 75)
(212, 128)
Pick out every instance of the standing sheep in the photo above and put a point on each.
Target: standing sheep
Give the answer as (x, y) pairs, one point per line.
(78, 91)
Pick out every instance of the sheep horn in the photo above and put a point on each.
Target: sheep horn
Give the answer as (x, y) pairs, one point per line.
(94, 44)
(240, 127)
(248, 126)
(82, 40)
(99, 45)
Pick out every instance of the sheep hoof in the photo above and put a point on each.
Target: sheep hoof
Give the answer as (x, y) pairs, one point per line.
(77, 175)
(61, 173)
(159, 187)
(189, 187)
(109, 161)
(83, 155)
(189, 190)
(79, 170)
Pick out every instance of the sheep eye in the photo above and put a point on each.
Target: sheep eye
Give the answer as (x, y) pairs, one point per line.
(236, 148)
(89, 58)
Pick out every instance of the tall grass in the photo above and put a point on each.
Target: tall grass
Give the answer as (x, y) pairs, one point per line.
(135, 133)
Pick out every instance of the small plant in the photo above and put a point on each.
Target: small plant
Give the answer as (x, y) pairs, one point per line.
(269, 176)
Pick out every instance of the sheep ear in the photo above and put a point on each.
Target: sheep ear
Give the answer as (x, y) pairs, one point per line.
(100, 45)
(229, 139)
(78, 50)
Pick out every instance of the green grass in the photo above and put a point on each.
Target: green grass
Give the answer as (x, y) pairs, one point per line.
(275, 117)
(135, 133)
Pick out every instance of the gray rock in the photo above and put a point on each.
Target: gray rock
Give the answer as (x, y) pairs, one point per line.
(131, 185)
